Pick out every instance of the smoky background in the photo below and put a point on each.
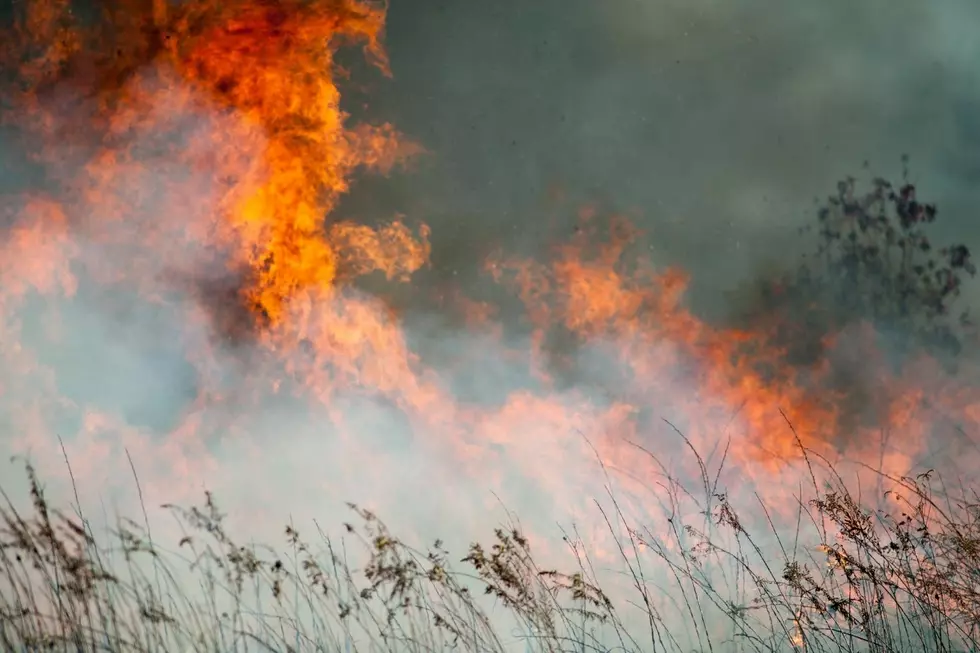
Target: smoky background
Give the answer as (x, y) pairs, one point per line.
(712, 125)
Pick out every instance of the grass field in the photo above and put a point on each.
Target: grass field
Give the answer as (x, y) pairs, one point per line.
(899, 579)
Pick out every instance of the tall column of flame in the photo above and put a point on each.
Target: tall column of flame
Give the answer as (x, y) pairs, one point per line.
(188, 143)
(282, 158)
(272, 65)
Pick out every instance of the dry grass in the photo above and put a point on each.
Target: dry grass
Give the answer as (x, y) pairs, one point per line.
(902, 580)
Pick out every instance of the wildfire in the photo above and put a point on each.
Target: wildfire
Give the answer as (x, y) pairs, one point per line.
(193, 154)
(277, 161)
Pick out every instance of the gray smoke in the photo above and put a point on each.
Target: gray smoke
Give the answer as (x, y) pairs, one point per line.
(715, 123)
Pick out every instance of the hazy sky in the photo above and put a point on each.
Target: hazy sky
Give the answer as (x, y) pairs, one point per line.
(719, 121)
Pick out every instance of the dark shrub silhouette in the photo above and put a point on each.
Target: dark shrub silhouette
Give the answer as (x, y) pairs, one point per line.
(871, 261)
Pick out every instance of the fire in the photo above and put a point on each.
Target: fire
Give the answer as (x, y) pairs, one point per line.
(194, 154)
(737, 373)
(277, 163)
(266, 64)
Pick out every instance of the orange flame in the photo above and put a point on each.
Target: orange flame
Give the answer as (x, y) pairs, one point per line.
(278, 162)
(200, 148)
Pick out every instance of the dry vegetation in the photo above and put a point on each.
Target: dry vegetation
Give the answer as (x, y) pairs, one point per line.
(907, 579)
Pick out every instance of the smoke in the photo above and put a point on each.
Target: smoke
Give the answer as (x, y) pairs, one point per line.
(142, 349)
(714, 124)
(125, 341)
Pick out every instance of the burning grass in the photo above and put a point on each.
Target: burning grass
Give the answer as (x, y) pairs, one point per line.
(847, 578)
(193, 154)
